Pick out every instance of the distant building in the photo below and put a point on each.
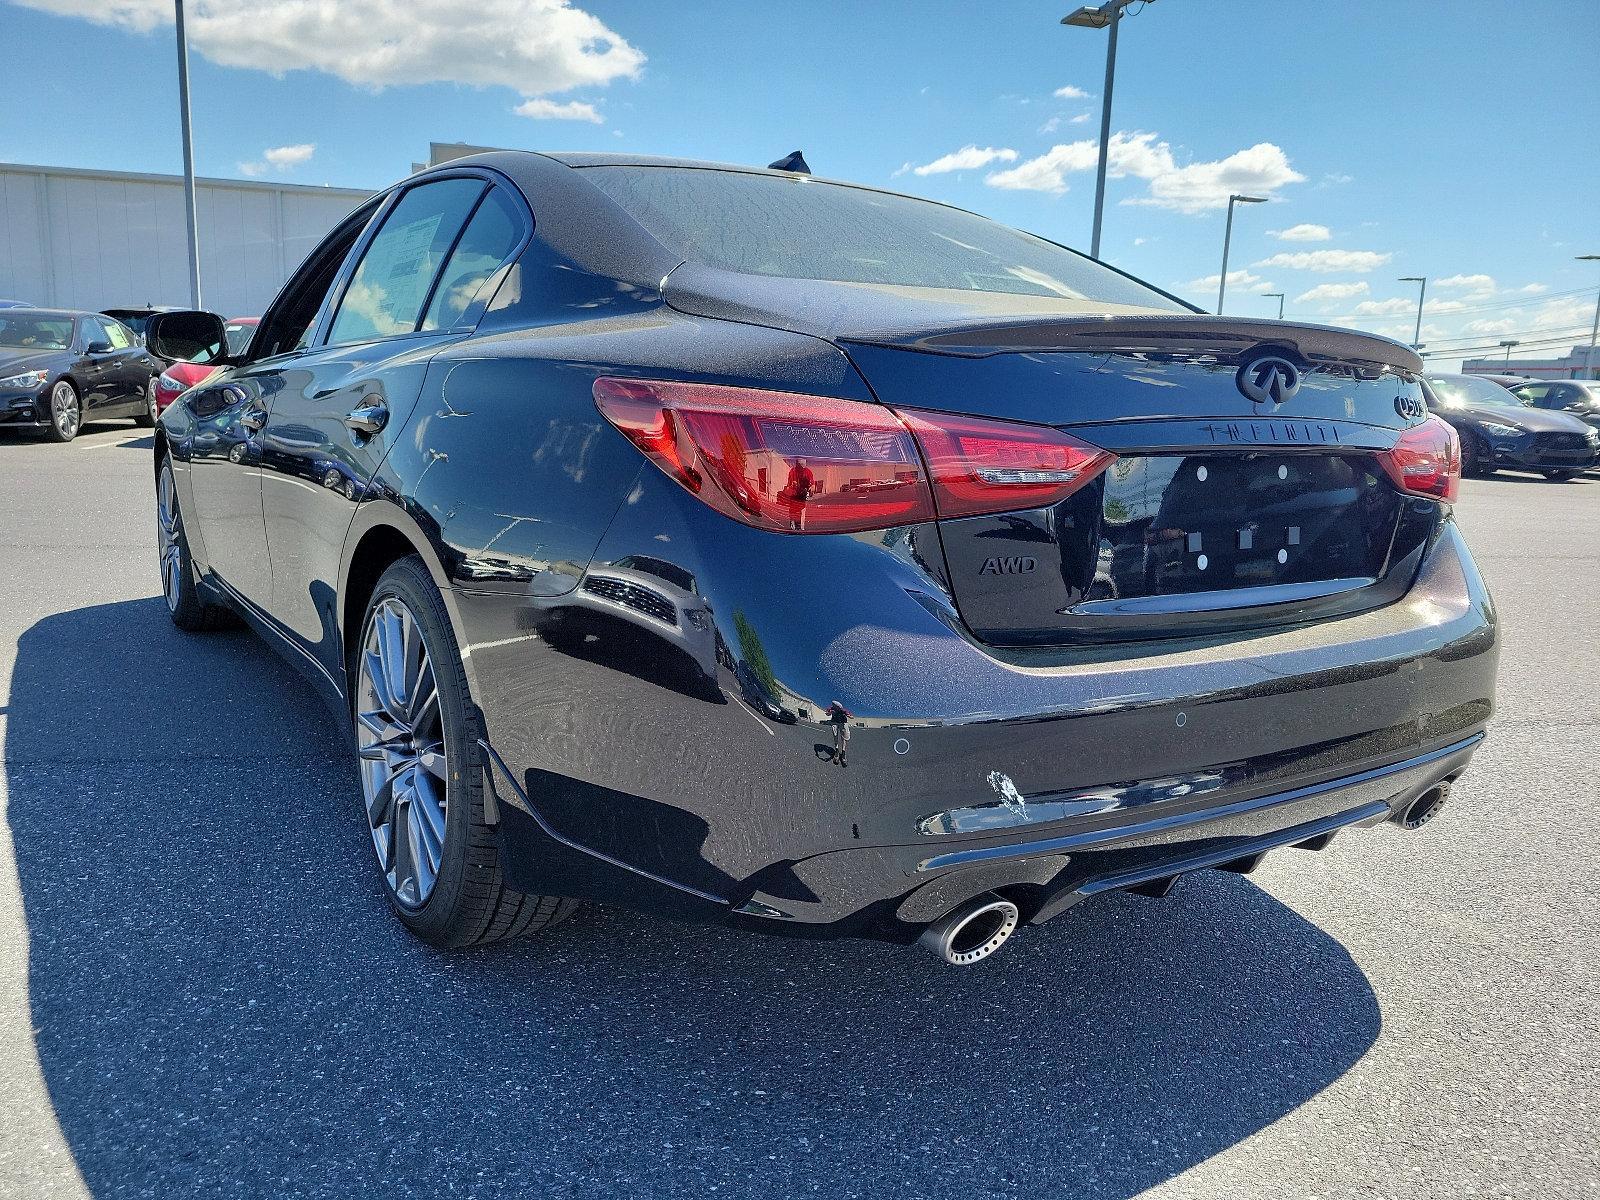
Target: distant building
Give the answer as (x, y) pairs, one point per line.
(1572, 366)
(100, 239)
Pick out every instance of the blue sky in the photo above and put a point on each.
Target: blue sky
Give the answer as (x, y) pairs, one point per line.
(1450, 139)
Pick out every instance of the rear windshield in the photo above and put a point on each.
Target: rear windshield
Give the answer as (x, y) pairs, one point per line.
(800, 228)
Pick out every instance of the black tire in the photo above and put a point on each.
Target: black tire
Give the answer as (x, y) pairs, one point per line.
(147, 419)
(1475, 464)
(186, 604)
(1560, 476)
(470, 903)
(63, 420)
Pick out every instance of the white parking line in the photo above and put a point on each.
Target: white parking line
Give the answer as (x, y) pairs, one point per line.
(764, 727)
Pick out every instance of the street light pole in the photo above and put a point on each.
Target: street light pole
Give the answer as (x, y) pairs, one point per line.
(1508, 345)
(1594, 331)
(1227, 240)
(1107, 16)
(1279, 297)
(188, 159)
(1422, 292)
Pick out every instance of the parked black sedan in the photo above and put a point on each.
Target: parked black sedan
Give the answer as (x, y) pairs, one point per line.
(60, 369)
(1578, 397)
(1096, 588)
(1501, 431)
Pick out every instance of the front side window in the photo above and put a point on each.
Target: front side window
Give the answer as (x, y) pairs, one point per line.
(489, 239)
(801, 228)
(390, 286)
(94, 332)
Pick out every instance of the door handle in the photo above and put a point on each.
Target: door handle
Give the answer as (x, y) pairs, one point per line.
(368, 417)
(253, 418)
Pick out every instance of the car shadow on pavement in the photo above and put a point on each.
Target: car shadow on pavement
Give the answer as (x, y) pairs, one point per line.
(223, 1004)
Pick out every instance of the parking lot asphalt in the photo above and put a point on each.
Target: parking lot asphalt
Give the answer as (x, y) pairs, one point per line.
(202, 993)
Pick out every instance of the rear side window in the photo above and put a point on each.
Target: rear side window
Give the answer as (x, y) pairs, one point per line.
(486, 243)
(801, 228)
(390, 286)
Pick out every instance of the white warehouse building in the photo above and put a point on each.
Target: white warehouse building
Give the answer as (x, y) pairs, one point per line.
(89, 239)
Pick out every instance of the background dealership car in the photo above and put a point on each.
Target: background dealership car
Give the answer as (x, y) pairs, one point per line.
(60, 369)
(178, 377)
(1499, 431)
(1578, 397)
(1081, 633)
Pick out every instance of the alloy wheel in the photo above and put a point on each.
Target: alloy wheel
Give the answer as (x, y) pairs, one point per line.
(401, 743)
(150, 402)
(64, 410)
(169, 541)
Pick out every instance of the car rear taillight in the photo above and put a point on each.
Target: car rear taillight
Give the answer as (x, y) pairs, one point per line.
(983, 466)
(776, 460)
(1426, 461)
(794, 463)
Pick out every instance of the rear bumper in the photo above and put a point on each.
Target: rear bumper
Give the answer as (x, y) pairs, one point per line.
(1047, 775)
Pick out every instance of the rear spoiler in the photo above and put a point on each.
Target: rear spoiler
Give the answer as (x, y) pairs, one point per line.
(1178, 333)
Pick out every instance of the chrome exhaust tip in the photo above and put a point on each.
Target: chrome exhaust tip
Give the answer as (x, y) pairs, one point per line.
(1424, 808)
(971, 932)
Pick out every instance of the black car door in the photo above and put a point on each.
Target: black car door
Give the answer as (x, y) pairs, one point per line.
(412, 287)
(98, 369)
(129, 364)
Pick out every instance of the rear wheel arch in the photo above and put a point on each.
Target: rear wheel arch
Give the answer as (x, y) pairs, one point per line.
(382, 535)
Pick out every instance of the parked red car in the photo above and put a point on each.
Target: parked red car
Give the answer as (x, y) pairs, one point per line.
(179, 377)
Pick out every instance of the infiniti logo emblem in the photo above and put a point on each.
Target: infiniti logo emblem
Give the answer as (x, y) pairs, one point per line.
(1268, 379)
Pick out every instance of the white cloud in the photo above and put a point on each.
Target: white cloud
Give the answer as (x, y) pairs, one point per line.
(1302, 233)
(1327, 262)
(1137, 154)
(1335, 179)
(1080, 119)
(284, 157)
(1384, 308)
(279, 158)
(1532, 289)
(1260, 170)
(1236, 279)
(1467, 283)
(1486, 326)
(533, 46)
(1050, 126)
(968, 158)
(1325, 292)
(540, 109)
(1071, 93)
(1047, 173)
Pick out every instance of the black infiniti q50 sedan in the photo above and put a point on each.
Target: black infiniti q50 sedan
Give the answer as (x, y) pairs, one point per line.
(798, 556)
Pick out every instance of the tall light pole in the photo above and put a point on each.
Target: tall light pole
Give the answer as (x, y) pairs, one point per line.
(1227, 240)
(1422, 292)
(1107, 16)
(1508, 344)
(188, 159)
(1594, 332)
(1279, 297)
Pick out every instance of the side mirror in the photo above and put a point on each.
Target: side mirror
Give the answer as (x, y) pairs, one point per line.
(188, 336)
(98, 347)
